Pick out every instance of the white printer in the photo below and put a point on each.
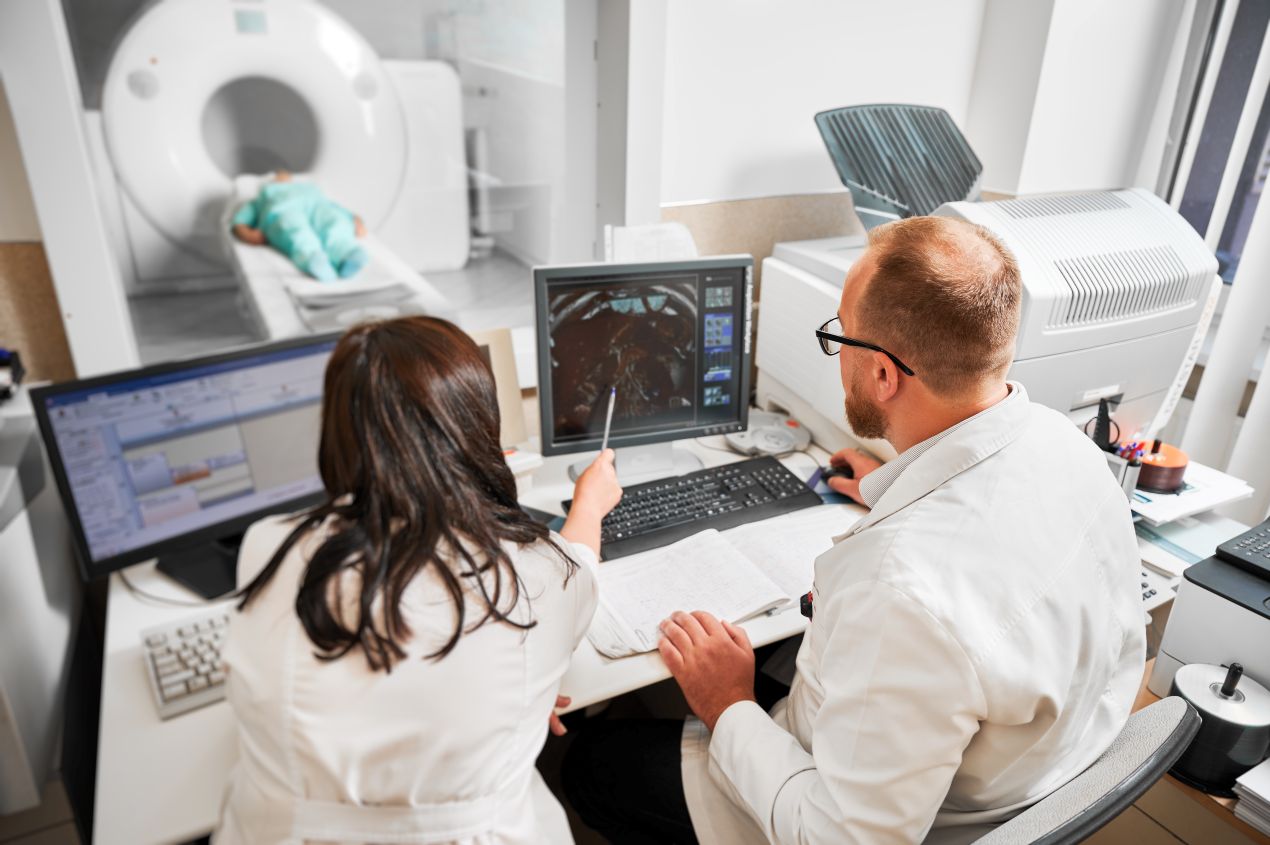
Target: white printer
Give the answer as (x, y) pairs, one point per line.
(1115, 284)
(1221, 616)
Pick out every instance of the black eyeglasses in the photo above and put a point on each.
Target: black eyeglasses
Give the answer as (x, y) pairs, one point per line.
(831, 343)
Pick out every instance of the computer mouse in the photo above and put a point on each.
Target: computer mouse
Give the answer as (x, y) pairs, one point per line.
(831, 471)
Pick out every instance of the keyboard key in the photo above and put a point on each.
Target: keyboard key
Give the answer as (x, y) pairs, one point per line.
(168, 669)
(171, 691)
(174, 677)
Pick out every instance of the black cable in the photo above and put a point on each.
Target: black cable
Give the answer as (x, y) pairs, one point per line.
(1085, 428)
(727, 449)
(143, 594)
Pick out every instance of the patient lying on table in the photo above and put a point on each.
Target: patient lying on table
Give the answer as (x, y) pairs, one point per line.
(319, 236)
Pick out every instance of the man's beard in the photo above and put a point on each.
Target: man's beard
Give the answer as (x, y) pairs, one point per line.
(865, 418)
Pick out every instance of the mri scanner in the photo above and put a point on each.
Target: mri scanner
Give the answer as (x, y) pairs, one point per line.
(202, 96)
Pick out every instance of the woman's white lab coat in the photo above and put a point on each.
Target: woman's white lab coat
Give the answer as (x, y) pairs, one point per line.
(977, 642)
(433, 752)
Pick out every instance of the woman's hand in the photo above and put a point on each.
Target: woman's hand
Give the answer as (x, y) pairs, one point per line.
(595, 493)
(553, 721)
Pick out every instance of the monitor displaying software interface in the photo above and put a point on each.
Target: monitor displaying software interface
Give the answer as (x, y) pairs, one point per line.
(673, 339)
(147, 458)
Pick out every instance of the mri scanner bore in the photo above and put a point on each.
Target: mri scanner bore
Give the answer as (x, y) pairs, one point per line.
(297, 219)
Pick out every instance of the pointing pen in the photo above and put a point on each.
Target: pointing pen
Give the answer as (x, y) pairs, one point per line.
(608, 419)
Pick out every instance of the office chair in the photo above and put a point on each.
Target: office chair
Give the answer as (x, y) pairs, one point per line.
(1151, 742)
(898, 160)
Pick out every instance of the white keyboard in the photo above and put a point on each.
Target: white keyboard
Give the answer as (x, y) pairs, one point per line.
(183, 662)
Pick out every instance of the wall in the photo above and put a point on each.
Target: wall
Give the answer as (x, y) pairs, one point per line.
(1099, 85)
(1053, 95)
(30, 320)
(17, 211)
(1007, 72)
(744, 79)
(39, 77)
(1066, 93)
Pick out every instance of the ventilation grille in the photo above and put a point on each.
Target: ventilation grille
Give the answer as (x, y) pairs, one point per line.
(1116, 285)
(907, 160)
(1057, 205)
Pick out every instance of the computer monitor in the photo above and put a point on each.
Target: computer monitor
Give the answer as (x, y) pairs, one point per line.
(673, 338)
(175, 461)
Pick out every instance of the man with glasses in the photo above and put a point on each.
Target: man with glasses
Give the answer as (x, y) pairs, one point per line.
(976, 640)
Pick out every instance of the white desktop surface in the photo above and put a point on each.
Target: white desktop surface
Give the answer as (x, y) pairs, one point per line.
(157, 781)
(162, 781)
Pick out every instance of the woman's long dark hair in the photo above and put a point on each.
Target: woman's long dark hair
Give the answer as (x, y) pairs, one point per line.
(415, 479)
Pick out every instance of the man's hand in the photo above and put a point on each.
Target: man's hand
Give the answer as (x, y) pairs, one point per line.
(861, 465)
(712, 661)
(553, 721)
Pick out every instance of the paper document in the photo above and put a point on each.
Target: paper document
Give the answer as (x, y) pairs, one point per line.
(1204, 489)
(785, 547)
(1253, 789)
(1172, 547)
(702, 572)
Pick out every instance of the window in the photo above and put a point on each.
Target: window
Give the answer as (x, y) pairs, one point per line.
(1218, 189)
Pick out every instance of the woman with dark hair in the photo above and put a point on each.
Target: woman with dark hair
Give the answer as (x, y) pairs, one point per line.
(399, 647)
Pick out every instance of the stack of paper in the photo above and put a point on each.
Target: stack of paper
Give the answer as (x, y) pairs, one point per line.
(1204, 488)
(785, 547)
(1169, 549)
(710, 572)
(703, 572)
(1253, 789)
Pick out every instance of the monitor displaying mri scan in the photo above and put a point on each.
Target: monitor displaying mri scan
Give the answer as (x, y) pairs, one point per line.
(671, 341)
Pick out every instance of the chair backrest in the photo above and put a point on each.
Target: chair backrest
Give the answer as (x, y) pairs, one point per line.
(899, 160)
(1149, 745)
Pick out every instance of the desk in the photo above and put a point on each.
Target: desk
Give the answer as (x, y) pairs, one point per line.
(1222, 809)
(162, 781)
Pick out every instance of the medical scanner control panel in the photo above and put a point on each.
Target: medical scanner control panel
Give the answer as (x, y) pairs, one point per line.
(155, 457)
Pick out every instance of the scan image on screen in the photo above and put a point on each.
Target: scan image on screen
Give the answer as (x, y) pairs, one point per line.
(640, 338)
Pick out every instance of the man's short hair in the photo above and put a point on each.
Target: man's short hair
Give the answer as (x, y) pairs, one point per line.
(945, 299)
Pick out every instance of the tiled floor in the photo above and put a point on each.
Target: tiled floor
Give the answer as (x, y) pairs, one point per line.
(48, 824)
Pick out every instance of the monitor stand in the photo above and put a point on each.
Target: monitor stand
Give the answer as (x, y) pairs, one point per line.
(210, 569)
(637, 464)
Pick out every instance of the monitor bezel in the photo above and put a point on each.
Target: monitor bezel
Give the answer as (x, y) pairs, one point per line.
(545, 275)
(91, 570)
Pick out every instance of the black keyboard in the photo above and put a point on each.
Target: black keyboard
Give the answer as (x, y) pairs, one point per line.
(658, 513)
(1250, 550)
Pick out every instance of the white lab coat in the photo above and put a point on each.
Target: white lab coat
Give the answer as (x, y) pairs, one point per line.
(436, 751)
(977, 642)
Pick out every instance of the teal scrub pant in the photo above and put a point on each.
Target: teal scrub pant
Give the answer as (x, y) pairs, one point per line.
(323, 244)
